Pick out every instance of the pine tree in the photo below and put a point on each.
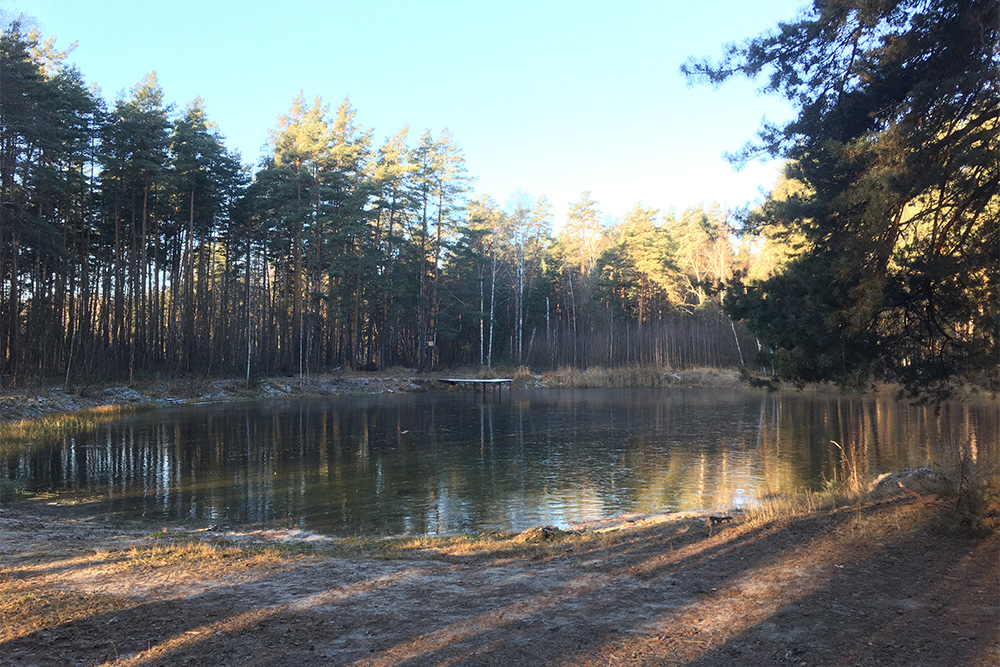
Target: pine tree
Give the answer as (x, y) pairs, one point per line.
(134, 180)
(895, 142)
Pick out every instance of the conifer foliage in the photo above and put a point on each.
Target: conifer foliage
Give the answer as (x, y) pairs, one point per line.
(895, 148)
(133, 243)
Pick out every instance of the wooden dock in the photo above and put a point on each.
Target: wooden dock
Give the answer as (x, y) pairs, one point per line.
(496, 384)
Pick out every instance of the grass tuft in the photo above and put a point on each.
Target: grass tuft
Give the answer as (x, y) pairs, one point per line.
(57, 426)
(777, 508)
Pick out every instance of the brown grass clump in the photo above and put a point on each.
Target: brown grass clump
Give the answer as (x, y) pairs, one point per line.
(534, 543)
(707, 377)
(779, 508)
(599, 376)
(56, 426)
(640, 376)
(522, 374)
(219, 557)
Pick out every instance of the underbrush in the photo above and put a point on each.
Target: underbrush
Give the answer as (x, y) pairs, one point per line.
(970, 503)
(977, 503)
(11, 489)
(776, 507)
(973, 475)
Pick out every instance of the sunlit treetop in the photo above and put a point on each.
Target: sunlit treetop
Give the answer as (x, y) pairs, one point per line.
(895, 143)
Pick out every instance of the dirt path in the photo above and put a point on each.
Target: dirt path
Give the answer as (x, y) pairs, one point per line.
(882, 584)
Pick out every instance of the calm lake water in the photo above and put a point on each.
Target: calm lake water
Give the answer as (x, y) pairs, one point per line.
(452, 462)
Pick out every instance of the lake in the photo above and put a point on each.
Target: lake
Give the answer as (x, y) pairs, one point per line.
(451, 462)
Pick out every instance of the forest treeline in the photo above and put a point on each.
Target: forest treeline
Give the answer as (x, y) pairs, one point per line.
(133, 242)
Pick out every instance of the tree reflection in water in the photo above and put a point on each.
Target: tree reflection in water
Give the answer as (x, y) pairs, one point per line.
(443, 463)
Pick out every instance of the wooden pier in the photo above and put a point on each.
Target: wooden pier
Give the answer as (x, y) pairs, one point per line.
(496, 384)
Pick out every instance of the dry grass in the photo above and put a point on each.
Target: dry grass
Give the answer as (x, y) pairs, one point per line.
(850, 464)
(535, 543)
(726, 597)
(215, 558)
(222, 554)
(777, 508)
(640, 376)
(970, 505)
(522, 373)
(598, 376)
(708, 377)
(29, 601)
(50, 427)
(26, 607)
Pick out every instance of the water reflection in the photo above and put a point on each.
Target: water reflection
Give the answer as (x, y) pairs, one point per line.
(445, 463)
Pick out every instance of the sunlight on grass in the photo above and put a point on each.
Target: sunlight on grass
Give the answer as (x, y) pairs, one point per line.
(26, 606)
(780, 507)
(534, 543)
(44, 591)
(29, 601)
(53, 427)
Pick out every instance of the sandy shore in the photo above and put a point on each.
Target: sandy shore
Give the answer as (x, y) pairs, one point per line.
(879, 583)
(888, 582)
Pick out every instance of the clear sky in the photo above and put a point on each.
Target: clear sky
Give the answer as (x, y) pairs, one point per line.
(544, 97)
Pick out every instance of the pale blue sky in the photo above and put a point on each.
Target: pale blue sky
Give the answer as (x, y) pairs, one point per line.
(549, 98)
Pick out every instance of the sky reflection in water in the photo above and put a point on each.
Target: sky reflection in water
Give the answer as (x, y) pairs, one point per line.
(452, 462)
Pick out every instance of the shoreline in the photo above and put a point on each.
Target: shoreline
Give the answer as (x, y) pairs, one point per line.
(37, 401)
(884, 577)
(34, 402)
(882, 581)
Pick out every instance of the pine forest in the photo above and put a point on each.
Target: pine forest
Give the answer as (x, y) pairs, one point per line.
(134, 244)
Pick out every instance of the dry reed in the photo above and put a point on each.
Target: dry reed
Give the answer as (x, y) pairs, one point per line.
(41, 428)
